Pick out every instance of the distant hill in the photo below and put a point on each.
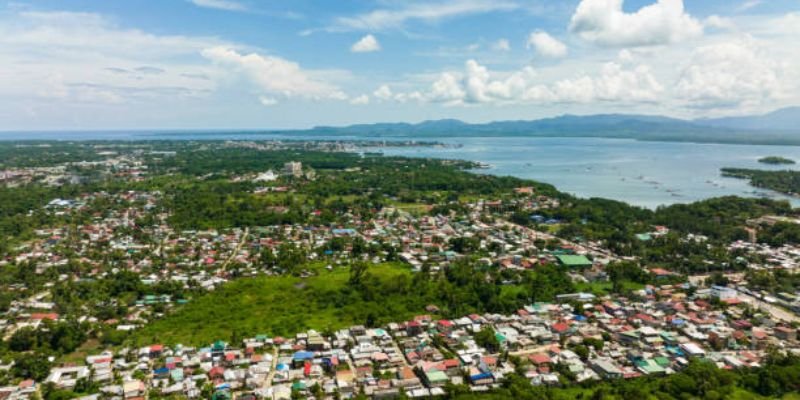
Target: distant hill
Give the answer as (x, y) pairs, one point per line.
(627, 126)
(785, 119)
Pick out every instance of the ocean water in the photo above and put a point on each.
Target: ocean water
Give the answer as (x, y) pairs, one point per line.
(647, 174)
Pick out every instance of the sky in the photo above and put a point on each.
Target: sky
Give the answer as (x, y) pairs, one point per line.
(276, 64)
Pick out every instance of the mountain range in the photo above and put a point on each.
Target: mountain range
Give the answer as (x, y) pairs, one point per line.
(781, 127)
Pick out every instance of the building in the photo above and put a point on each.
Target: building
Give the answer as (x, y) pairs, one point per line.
(606, 369)
(293, 168)
(574, 261)
(268, 176)
(723, 293)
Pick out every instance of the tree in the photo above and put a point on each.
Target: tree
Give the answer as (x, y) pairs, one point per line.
(31, 366)
(488, 339)
(357, 271)
(23, 339)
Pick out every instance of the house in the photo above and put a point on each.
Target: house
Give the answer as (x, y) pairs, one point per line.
(435, 378)
(692, 350)
(574, 261)
(67, 377)
(785, 333)
(133, 389)
(541, 361)
(650, 367)
(723, 293)
(606, 368)
(480, 376)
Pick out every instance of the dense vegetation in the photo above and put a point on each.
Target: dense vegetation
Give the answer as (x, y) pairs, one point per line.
(371, 295)
(780, 181)
(776, 160)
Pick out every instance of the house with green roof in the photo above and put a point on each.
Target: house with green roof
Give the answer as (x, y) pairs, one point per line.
(434, 377)
(650, 367)
(574, 261)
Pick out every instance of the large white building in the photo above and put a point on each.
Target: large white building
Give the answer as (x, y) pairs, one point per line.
(293, 168)
(723, 293)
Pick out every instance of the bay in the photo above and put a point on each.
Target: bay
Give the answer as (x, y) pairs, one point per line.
(643, 173)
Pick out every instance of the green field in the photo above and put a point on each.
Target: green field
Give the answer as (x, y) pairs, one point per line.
(606, 288)
(281, 305)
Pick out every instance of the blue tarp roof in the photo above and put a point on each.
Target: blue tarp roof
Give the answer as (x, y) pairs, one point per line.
(303, 355)
(482, 375)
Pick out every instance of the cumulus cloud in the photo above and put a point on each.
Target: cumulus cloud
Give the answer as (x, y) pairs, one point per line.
(226, 5)
(546, 45)
(274, 75)
(384, 92)
(728, 75)
(72, 57)
(604, 22)
(366, 44)
(478, 85)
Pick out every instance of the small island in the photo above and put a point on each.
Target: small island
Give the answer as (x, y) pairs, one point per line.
(776, 160)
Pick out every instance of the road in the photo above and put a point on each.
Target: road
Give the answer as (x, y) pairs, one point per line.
(271, 374)
(776, 311)
(239, 246)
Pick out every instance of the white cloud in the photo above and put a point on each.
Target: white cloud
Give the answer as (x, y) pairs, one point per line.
(360, 100)
(274, 75)
(394, 18)
(226, 5)
(717, 22)
(748, 4)
(788, 24)
(383, 93)
(501, 45)
(67, 58)
(478, 85)
(267, 101)
(605, 23)
(625, 56)
(728, 75)
(546, 45)
(366, 44)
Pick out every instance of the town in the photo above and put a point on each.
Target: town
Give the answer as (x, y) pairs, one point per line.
(121, 244)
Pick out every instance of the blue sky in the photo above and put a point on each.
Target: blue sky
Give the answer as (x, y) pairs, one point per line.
(211, 64)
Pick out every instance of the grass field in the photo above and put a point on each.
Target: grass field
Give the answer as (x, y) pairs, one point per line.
(277, 305)
(604, 288)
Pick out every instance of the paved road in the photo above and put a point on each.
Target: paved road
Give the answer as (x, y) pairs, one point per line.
(777, 312)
